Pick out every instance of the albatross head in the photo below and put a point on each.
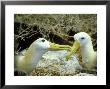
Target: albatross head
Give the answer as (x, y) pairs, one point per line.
(83, 38)
(82, 41)
(43, 44)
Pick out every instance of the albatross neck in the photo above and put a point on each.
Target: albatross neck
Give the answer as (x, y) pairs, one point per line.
(87, 50)
(37, 55)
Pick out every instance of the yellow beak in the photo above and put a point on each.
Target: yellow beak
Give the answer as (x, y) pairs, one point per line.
(73, 50)
(55, 47)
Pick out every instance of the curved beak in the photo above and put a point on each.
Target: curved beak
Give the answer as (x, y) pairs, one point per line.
(54, 47)
(73, 50)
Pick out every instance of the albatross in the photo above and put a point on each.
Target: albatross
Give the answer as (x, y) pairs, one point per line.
(34, 53)
(83, 43)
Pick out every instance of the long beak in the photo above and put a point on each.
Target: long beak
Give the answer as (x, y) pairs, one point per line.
(73, 50)
(55, 47)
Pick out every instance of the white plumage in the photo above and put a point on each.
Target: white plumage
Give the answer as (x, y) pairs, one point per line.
(34, 53)
(89, 56)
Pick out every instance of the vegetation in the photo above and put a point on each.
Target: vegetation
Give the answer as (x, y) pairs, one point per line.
(58, 28)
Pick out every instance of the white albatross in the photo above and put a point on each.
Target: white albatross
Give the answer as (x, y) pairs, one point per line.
(34, 53)
(84, 43)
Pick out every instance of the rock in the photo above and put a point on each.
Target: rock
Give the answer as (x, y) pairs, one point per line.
(53, 64)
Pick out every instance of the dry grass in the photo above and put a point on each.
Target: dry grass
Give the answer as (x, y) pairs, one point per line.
(54, 27)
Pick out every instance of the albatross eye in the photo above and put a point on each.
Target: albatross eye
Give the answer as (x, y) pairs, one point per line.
(82, 38)
(43, 40)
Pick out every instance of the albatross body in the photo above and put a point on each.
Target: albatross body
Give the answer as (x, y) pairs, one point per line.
(34, 53)
(84, 43)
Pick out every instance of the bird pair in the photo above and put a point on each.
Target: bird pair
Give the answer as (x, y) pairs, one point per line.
(34, 53)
